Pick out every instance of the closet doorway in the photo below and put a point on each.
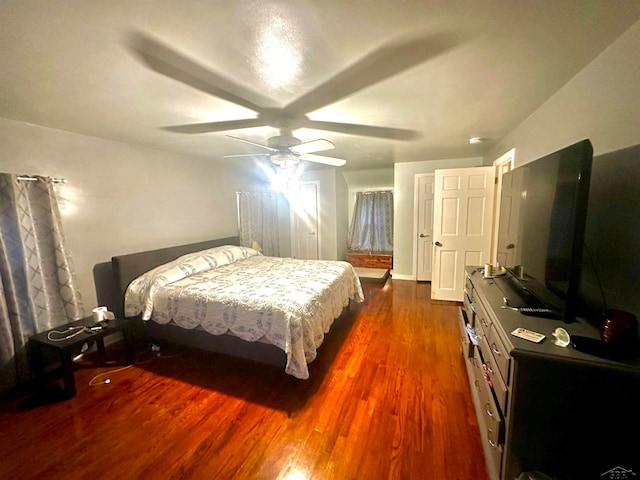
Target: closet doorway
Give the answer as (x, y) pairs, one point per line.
(423, 201)
(305, 227)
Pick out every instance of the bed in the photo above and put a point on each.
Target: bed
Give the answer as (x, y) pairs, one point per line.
(221, 297)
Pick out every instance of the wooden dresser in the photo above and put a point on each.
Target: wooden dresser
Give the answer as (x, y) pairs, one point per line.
(370, 260)
(541, 407)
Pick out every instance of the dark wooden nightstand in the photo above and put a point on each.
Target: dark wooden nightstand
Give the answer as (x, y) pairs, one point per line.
(64, 347)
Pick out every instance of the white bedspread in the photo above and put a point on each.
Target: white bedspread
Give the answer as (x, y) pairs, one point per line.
(286, 302)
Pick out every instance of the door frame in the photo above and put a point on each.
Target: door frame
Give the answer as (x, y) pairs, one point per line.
(508, 158)
(292, 214)
(416, 180)
(461, 236)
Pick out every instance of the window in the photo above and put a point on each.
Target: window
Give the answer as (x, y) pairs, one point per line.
(372, 224)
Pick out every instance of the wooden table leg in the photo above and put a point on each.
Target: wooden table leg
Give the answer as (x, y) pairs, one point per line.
(37, 364)
(128, 344)
(100, 345)
(67, 371)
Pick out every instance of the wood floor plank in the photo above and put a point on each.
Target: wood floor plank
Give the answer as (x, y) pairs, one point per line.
(388, 398)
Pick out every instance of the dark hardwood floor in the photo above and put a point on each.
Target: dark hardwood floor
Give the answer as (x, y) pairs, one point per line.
(388, 398)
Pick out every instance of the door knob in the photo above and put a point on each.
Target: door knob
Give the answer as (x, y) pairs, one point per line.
(438, 244)
(422, 235)
(510, 246)
(312, 233)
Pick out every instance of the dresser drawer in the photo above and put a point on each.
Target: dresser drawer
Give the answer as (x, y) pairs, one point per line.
(499, 353)
(495, 450)
(493, 376)
(477, 371)
(467, 346)
(483, 322)
(469, 310)
(468, 286)
(491, 422)
(493, 419)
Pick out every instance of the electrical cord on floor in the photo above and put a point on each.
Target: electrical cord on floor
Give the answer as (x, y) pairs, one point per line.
(155, 349)
(92, 382)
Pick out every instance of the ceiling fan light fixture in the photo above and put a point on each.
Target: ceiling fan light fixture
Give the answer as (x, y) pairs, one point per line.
(284, 159)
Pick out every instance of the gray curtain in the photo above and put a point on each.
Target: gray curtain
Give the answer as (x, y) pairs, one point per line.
(258, 221)
(37, 281)
(371, 228)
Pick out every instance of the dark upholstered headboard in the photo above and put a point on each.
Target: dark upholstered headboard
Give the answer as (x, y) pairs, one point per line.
(127, 268)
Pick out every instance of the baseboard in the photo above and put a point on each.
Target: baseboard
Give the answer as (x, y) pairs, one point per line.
(397, 276)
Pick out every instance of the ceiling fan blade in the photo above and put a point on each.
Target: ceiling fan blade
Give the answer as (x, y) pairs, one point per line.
(247, 155)
(253, 143)
(173, 64)
(319, 145)
(383, 63)
(364, 130)
(336, 162)
(209, 127)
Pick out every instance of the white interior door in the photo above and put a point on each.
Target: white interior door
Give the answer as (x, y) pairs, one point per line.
(304, 223)
(424, 185)
(503, 164)
(507, 237)
(462, 225)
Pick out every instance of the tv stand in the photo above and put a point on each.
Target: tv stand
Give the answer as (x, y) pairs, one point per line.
(541, 407)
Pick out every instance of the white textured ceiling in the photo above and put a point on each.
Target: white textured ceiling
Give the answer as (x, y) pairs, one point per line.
(467, 68)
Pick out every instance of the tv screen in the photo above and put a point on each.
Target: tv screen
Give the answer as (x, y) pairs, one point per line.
(610, 268)
(541, 229)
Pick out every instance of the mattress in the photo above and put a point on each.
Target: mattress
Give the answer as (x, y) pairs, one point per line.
(289, 303)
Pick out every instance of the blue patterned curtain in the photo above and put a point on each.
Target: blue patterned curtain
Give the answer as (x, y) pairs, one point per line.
(258, 221)
(37, 282)
(371, 228)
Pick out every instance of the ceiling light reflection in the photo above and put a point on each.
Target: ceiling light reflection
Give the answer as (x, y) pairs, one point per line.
(294, 474)
(287, 182)
(67, 198)
(283, 180)
(279, 53)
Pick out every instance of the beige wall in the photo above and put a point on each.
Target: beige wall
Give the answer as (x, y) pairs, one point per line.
(122, 198)
(601, 103)
(342, 216)
(403, 236)
(332, 196)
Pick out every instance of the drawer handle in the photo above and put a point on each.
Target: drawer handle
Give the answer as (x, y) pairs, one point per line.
(495, 349)
(487, 375)
(487, 409)
(491, 442)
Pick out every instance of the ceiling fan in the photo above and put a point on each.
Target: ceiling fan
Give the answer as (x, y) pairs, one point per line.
(285, 149)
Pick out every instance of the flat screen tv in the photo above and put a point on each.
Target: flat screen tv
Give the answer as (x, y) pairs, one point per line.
(541, 230)
(611, 265)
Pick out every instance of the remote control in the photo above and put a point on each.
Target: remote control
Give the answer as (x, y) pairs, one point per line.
(537, 312)
(534, 337)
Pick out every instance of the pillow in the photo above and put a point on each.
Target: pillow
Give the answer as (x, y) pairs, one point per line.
(140, 293)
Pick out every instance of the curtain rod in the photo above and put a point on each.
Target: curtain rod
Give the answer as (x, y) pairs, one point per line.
(27, 178)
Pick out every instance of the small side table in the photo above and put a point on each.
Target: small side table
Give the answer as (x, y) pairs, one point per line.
(63, 348)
